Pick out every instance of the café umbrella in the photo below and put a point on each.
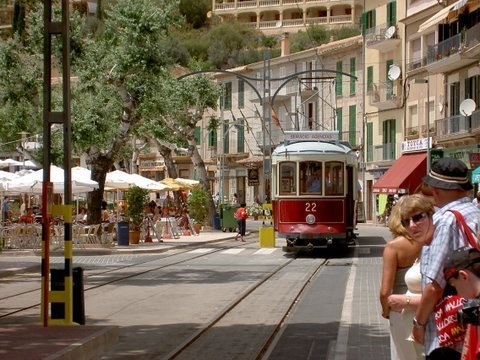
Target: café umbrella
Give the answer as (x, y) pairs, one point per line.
(32, 183)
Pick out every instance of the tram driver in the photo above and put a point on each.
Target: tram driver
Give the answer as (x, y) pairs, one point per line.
(314, 181)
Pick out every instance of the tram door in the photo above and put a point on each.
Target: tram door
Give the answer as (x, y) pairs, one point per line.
(349, 199)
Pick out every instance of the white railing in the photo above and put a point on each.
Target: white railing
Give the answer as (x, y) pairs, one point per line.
(246, 4)
(341, 18)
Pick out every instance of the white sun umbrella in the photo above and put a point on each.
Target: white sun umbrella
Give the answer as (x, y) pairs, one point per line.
(148, 184)
(188, 182)
(119, 180)
(32, 183)
(9, 162)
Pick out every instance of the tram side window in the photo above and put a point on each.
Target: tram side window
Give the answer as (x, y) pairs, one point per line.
(288, 177)
(334, 178)
(311, 177)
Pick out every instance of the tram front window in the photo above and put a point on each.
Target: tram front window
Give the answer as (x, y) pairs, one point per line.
(288, 177)
(311, 177)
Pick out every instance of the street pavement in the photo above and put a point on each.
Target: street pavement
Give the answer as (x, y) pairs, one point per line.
(360, 309)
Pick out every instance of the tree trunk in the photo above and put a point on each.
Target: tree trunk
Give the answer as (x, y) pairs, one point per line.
(100, 166)
(199, 165)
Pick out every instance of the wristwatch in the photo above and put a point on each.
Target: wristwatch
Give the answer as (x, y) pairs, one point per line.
(417, 325)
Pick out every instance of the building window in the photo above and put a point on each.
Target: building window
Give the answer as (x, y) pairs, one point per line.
(369, 141)
(338, 84)
(227, 96)
(352, 79)
(212, 138)
(388, 139)
(240, 126)
(241, 93)
(352, 125)
(455, 98)
(391, 13)
(226, 139)
(370, 79)
(368, 21)
(197, 133)
(340, 123)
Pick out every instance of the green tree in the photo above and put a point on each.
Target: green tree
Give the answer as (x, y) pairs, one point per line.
(177, 110)
(195, 11)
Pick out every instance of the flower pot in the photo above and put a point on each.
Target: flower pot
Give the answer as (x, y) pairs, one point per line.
(134, 236)
(197, 227)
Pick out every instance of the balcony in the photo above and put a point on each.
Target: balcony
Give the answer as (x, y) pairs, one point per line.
(416, 65)
(386, 96)
(448, 55)
(472, 42)
(458, 127)
(382, 38)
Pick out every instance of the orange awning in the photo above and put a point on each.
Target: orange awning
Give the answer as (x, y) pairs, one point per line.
(404, 175)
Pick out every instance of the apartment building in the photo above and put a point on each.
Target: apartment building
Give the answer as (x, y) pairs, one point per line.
(279, 16)
(301, 91)
(436, 90)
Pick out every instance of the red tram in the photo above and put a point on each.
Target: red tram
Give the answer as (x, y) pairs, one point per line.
(314, 190)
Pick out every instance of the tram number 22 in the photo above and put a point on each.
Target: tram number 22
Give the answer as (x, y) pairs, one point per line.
(310, 207)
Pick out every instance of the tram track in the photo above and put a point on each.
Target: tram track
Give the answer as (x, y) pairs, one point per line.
(197, 344)
(99, 275)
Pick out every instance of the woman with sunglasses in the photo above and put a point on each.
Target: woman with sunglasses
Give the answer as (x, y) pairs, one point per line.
(401, 280)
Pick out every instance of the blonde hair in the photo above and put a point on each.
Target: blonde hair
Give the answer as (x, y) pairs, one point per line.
(405, 206)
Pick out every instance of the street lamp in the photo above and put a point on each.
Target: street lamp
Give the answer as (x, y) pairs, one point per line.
(427, 106)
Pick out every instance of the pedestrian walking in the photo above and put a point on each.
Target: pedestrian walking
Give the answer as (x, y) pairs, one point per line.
(448, 180)
(241, 216)
(5, 208)
(399, 256)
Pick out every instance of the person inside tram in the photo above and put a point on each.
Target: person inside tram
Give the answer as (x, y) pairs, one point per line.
(314, 181)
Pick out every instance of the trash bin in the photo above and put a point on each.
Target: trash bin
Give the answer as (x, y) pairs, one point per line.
(216, 222)
(227, 218)
(122, 233)
(57, 281)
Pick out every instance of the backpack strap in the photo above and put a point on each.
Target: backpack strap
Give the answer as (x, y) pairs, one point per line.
(466, 230)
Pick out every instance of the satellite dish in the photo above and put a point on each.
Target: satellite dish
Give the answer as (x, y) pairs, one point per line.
(467, 107)
(394, 72)
(390, 32)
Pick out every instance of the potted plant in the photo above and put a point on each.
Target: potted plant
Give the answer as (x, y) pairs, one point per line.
(198, 207)
(136, 199)
(255, 210)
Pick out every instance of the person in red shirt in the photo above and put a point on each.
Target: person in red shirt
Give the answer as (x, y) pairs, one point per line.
(241, 216)
(28, 217)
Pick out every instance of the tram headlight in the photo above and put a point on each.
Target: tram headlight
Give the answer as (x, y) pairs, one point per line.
(310, 219)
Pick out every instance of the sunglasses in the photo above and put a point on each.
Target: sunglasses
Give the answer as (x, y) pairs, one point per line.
(415, 218)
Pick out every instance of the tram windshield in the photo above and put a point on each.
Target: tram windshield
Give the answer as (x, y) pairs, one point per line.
(288, 176)
(311, 177)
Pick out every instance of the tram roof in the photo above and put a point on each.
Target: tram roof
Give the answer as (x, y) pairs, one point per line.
(312, 147)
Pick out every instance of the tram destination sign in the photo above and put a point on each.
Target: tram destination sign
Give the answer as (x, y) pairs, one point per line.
(311, 135)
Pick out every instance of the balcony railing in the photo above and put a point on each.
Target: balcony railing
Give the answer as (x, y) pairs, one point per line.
(265, 3)
(457, 125)
(472, 36)
(444, 49)
(386, 95)
(416, 64)
(378, 33)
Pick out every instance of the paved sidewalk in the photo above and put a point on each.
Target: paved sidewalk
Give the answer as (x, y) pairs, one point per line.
(81, 342)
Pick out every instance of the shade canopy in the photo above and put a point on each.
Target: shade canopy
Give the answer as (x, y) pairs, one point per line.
(120, 180)
(441, 15)
(180, 184)
(10, 162)
(32, 182)
(404, 176)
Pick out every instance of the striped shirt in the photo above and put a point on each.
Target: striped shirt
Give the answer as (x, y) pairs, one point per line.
(447, 237)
